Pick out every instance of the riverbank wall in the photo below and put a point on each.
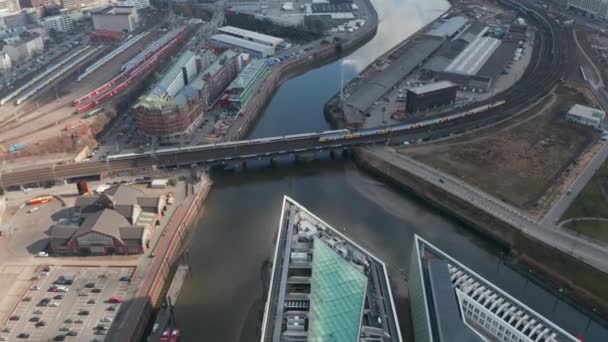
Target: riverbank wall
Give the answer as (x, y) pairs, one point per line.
(579, 284)
(165, 252)
(327, 52)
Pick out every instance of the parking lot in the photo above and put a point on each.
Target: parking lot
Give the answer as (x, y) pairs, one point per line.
(81, 313)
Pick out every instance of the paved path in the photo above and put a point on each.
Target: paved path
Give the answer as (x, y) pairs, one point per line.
(583, 250)
(558, 209)
(562, 204)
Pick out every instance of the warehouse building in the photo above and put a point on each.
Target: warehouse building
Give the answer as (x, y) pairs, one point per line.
(450, 302)
(251, 36)
(246, 84)
(325, 287)
(586, 115)
(254, 49)
(474, 56)
(117, 221)
(430, 96)
(117, 18)
(177, 104)
(597, 8)
(59, 23)
(449, 28)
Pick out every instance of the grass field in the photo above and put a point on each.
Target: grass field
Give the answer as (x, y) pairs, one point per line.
(594, 229)
(592, 202)
(518, 161)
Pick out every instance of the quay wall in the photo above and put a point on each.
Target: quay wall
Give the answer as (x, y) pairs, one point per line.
(552, 269)
(323, 54)
(165, 252)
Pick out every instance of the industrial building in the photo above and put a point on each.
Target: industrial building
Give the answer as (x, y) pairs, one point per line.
(116, 18)
(430, 96)
(450, 302)
(251, 36)
(23, 48)
(415, 56)
(176, 105)
(325, 287)
(9, 6)
(60, 23)
(246, 84)
(117, 221)
(597, 8)
(473, 58)
(254, 49)
(585, 115)
(449, 28)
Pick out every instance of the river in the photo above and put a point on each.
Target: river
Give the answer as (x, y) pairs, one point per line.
(233, 242)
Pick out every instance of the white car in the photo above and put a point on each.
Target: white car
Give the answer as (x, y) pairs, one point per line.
(53, 304)
(62, 289)
(43, 254)
(106, 319)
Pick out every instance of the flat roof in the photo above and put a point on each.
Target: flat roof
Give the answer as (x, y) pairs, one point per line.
(247, 74)
(466, 282)
(474, 56)
(372, 89)
(227, 39)
(250, 34)
(448, 27)
(427, 88)
(587, 112)
(499, 60)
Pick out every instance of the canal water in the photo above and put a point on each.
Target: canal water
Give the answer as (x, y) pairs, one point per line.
(231, 247)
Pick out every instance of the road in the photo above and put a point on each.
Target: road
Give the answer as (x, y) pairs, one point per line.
(583, 250)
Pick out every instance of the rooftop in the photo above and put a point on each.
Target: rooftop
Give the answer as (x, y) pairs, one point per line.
(427, 88)
(457, 298)
(160, 96)
(448, 27)
(587, 112)
(224, 38)
(247, 74)
(325, 287)
(371, 90)
(250, 34)
(474, 56)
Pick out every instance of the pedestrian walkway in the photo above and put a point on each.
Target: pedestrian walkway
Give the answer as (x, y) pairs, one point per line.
(592, 254)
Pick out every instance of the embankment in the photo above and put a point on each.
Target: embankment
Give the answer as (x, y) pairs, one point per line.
(165, 252)
(583, 284)
(326, 52)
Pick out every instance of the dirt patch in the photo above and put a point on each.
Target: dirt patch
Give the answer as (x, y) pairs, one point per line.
(520, 160)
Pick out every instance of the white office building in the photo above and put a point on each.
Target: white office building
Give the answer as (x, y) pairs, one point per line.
(585, 115)
(59, 23)
(598, 8)
(450, 302)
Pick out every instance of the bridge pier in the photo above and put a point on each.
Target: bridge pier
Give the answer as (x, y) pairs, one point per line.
(305, 157)
(274, 162)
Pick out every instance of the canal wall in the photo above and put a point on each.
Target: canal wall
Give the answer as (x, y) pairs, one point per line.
(165, 252)
(552, 269)
(327, 52)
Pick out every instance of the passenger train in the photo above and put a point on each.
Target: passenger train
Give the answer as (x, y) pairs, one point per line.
(326, 136)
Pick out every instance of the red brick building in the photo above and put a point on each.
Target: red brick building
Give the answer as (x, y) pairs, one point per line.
(118, 221)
